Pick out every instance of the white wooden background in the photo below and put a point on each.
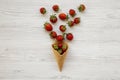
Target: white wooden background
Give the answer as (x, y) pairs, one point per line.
(25, 48)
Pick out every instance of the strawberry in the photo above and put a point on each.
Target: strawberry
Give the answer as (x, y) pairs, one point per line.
(60, 45)
(60, 38)
(70, 23)
(53, 34)
(42, 10)
(77, 20)
(63, 16)
(48, 26)
(62, 28)
(53, 19)
(64, 47)
(72, 12)
(69, 36)
(55, 46)
(55, 8)
(81, 8)
(60, 51)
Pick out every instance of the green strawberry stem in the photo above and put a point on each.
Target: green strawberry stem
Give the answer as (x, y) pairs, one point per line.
(64, 34)
(67, 17)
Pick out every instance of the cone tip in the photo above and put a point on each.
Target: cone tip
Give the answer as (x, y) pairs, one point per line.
(60, 69)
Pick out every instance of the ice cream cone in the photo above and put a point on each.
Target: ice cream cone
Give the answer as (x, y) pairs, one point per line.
(60, 58)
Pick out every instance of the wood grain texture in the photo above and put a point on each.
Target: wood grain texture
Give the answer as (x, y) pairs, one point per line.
(25, 51)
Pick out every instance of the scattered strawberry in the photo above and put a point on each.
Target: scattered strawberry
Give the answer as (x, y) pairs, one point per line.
(60, 38)
(42, 10)
(81, 8)
(48, 26)
(53, 34)
(53, 19)
(63, 16)
(70, 23)
(72, 12)
(55, 46)
(60, 46)
(64, 47)
(62, 28)
(77, 20)
(55, 7)
(69, 36)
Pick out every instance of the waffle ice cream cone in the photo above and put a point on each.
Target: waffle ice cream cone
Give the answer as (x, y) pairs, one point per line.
(60, 58)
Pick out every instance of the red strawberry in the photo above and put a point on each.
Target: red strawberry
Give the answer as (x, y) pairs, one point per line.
(53, 34)
(60, 45)
(42, 10)
(63, 16)
(64, 47)
(55, 7)
(77, 20)
(60, 38)
(81, 8)
(70, 23)
(62, 28)
(48, 26)
(72, 12)
(69, 36)
(53, 19)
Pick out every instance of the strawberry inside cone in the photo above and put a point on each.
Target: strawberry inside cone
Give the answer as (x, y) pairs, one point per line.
(60, 47)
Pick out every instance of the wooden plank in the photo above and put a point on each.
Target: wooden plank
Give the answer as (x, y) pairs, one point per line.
(25, 48)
